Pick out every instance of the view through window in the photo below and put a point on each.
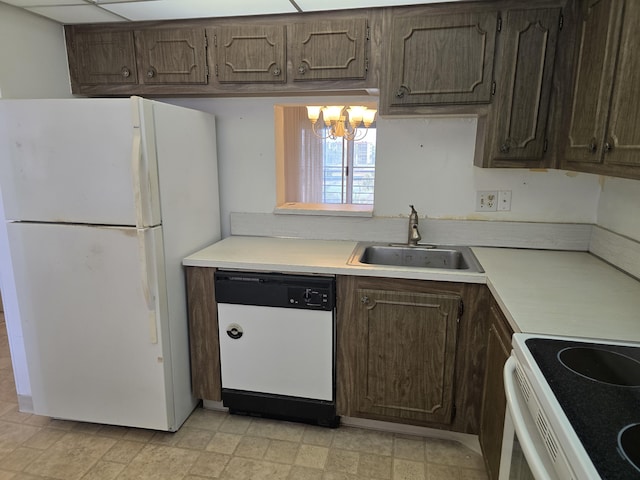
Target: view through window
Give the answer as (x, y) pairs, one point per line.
(318, 169)
(348, 169)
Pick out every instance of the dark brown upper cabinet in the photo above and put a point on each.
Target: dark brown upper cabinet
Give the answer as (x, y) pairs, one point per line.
(514, 131)
(247, 53)
(172, 55)
(444, 59)
(602, 134)
(329, 50)
(104, 57)
(105, 60)
(267, 55)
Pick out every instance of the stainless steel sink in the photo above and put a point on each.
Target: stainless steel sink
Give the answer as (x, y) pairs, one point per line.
(421, 256)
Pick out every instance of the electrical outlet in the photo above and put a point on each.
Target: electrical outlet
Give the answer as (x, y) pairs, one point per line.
(486, 201)
(504, 200)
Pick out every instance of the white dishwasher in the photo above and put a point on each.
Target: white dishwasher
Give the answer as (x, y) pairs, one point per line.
(277, 345)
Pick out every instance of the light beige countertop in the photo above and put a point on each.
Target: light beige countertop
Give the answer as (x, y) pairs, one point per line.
(540, 291)
(563, 293)
(294, 255)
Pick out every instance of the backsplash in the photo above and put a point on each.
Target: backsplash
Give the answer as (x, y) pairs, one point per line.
(618, 250)
(546, 236)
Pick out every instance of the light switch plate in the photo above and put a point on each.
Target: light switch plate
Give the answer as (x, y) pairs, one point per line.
(504, 200)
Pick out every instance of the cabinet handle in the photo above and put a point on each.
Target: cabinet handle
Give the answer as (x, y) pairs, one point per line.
(276, 72)
(125, 72)
(151, 72)
(365, 300)
(608, 146)
(593, 146)
(504, 148)
(401, 92)
(302, 69)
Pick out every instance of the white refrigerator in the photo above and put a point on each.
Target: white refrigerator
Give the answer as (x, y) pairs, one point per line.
(103, 198)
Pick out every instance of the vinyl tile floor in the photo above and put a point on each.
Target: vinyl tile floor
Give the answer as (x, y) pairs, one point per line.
(215, 445)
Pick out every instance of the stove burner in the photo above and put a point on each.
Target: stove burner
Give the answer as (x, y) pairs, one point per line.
(629, 444)
(602, 365)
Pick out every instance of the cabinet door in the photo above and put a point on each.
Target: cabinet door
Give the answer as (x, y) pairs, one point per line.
(523, 86)
(249, 53)
(329, 50)
(494, 403)
(597, 48)
(442, 59)
(172, 56)
(203, 334)
(104, 58)
(622, 142)
(406, 354)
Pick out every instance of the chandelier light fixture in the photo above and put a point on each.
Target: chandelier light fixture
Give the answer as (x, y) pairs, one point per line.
(341, 121)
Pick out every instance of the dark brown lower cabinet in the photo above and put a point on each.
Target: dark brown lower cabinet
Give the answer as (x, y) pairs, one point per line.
(410, 351)
(494, 403)
(203, 334)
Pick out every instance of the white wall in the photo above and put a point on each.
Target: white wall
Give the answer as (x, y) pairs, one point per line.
(33, 62)
(427, 162)
(32, 65)
(619, 206)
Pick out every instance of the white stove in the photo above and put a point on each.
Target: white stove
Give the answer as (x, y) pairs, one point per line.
(573, 409)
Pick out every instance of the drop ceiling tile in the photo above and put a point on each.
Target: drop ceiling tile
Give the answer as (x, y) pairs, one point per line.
(176, 9)
(43, 3)
(72, 14)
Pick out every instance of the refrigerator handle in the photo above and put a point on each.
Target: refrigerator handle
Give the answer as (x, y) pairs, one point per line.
(146, 274)
(136, 166)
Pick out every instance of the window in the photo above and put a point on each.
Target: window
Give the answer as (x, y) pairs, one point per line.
(336, 173)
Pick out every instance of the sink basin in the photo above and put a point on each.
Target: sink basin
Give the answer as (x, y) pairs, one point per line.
(422, 256)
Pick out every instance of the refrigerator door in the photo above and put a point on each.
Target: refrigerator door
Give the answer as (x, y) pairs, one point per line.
(92, 301)
(78, 161)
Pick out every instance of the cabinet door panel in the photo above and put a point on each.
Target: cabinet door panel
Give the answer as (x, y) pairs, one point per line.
(494, 403)
(624, 120)
(442, 59)
(105, 58)
(524, 83)
(176, 55)
(249, 54)
(329, 50)
(406, 354)
(597, 47)
(203, 333)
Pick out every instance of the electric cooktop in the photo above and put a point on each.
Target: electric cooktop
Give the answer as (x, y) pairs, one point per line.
(598, 388)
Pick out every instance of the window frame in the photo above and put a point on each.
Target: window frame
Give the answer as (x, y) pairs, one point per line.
(339, 209)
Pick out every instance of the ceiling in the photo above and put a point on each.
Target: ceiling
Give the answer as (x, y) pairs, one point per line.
(93, 11)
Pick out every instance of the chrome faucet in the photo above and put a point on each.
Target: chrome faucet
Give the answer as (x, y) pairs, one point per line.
(414, 233)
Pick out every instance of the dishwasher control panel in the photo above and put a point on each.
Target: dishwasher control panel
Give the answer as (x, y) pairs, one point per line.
(309, 296)
(275, 290)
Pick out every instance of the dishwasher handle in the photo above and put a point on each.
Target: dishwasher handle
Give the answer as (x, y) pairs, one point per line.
(234, 331)
(275, 290)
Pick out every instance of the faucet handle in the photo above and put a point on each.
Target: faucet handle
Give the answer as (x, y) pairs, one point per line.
(413, 210)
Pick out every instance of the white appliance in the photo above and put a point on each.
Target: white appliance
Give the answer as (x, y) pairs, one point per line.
(277, 345)
(572, 409)
(103, 198)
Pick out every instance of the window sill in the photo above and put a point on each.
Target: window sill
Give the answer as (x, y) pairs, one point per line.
(327, 209)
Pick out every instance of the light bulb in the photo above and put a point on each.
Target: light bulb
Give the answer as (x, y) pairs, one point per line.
(313, 112)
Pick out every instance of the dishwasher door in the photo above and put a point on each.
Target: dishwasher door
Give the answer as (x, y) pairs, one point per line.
(283, 351)
(277, 345)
